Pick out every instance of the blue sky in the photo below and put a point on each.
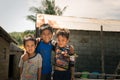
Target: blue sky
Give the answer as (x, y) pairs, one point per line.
(13, 12)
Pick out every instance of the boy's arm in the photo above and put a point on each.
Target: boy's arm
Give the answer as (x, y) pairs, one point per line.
(21, 69)
(39, 67)
(72, 68)
(25, 56)
(72, 73)
(21, 65)
(39, 73)
(38, 40)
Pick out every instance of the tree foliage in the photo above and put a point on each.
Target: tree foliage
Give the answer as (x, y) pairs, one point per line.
(18, 36)
(47, 7)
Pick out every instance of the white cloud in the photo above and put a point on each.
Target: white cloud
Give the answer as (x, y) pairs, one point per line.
(105, 9)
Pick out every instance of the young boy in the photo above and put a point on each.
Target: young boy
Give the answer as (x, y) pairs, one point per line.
(31, 68)
(45, 47)
(64, 58)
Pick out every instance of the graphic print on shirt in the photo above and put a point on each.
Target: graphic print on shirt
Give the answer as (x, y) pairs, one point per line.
(62, 57)
(31, 67)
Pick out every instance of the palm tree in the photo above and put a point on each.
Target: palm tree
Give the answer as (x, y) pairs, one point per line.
(48, 7)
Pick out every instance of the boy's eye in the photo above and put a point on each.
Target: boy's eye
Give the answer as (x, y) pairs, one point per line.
(46, 34)
(28, 46)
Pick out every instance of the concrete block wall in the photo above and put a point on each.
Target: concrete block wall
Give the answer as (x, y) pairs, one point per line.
(88, 47)
(4, 59)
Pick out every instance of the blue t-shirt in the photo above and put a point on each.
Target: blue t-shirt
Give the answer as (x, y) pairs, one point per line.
(45, 49)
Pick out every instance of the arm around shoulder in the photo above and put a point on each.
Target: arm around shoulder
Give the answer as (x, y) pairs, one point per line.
(25, 56)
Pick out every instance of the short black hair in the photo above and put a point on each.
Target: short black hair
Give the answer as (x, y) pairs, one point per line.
(45, 27)
(29, 37)
(63, 32)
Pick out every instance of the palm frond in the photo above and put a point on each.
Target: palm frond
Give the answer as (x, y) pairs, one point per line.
(64, 8)
(32, 18)
(47, 7)
(36, 10)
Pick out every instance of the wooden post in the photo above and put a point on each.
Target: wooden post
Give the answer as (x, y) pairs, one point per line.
(102, 51)
(37, 32)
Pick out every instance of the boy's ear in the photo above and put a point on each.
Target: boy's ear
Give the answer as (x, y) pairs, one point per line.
(71, 48)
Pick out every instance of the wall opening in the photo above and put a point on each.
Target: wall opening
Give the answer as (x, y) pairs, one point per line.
(11, 66)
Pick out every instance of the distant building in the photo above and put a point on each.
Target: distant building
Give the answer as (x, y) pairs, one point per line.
(9, 56)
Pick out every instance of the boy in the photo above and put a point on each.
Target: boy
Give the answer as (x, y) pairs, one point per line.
(45, 47)
(31, 68)
(64, 57)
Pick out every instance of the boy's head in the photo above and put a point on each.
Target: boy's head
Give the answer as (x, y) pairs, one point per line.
(46, 32)
(62, 37)
(29, 44)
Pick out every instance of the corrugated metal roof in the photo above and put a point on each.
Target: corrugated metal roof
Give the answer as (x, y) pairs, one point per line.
(79, 23)
(6, 36)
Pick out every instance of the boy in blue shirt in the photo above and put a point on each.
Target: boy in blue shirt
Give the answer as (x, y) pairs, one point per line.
(45, 49)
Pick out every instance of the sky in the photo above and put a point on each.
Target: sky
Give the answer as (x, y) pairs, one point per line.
(13, 12)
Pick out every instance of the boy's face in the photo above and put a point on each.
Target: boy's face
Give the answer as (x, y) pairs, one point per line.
(46, 36)
(30, 46)
(62, 41)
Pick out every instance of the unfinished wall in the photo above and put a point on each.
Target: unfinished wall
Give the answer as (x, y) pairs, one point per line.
(88, 47)
(4, 52)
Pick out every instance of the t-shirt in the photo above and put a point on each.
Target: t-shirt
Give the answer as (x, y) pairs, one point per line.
(30, 67)
(62, 57)
(45, 49)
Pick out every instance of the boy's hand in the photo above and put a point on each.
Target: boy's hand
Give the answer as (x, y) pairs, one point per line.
(25, 56)
(38, 40)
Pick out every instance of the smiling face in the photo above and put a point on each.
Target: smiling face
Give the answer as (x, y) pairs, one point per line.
(30, 46)
(62, 41)
(62, 37)
(46, 35)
